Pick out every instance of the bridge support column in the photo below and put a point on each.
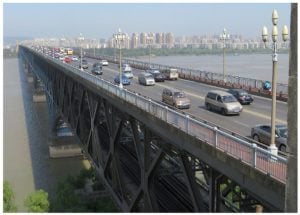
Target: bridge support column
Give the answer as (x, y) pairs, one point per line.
(214, 191)
(61, 143)
(38, 91)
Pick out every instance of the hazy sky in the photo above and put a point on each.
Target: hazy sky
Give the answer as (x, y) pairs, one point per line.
(101, 20)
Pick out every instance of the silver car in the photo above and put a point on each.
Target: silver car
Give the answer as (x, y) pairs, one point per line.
(222, 101)
(146, 79)
(262, 133)
(176, 98)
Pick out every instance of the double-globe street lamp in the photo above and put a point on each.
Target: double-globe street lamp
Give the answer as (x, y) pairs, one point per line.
(119, 38)
(81, 38)
(224, 36)
(272, 146)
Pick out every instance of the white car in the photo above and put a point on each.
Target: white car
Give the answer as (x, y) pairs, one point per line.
(126, 68)
(74, 58)
(104, 62)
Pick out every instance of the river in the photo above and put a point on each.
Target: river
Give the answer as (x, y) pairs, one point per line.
(257, 66)
(26, 162)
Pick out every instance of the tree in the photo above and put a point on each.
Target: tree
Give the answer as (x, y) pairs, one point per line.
(37, 202)
(8, 198)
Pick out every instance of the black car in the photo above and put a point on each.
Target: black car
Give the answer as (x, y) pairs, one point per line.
(97, 65)
(97, 70)
(241, 95)
(158, 77)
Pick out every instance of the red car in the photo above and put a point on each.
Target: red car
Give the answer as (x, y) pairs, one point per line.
(67, 59)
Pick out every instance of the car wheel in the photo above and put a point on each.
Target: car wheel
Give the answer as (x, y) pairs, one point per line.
(256, 138)
(282, 148)
(223, 112)
(208, 107)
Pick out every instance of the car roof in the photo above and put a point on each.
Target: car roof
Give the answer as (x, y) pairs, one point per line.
(220, 92)
(238, 90)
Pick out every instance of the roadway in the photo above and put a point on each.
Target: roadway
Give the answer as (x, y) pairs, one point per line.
(259, 112)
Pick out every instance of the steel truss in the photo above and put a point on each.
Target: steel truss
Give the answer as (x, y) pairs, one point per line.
(144, 172)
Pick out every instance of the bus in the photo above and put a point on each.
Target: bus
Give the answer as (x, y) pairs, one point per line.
(69, 51)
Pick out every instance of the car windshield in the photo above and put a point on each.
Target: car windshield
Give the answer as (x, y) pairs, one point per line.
(243, 93)
(148, 76)
(179, 94)
(228, 99)
(282, 132)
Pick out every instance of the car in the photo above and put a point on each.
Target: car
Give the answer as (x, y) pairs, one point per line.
(125, 80)
(170, 74)
(146, 79)
(176, 98)
(84, 64)
(241, 95)
(126, 67)
(153, 71)
(158, 77)
(67, 59)
(74, 58)
(222, 101)
(262, 133)
(97, 70)
(61, 58)
(104, 62)
(98, 65)
(128, 74)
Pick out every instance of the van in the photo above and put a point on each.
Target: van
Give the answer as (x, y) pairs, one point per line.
(146, 79)
(170, 74)
(222, 101)
(176, 98)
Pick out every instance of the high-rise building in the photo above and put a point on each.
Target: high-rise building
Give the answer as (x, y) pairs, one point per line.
(143, 39)
(170, 40)
(135, 40)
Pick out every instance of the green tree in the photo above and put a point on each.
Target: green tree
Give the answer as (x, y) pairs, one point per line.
(37, 202)
(66, 200)
(8, 198)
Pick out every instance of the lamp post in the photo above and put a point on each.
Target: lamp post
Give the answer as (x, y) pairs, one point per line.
(272, 146)
(81, 38)
(150, 41)
(224, 36)
(120, 37)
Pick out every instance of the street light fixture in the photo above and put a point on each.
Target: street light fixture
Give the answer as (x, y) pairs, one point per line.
(224, 36)
(120, 37)
(81, 38)
(272, 146)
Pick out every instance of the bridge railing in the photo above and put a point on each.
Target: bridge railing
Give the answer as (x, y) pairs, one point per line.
(247, 152)
(249, 83)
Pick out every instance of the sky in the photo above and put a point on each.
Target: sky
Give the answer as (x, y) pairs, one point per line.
(101, 20)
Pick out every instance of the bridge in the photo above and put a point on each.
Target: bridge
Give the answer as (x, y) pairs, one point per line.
(154, 158)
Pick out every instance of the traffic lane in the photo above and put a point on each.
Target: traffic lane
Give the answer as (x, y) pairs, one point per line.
(260, 107)
(240, 124)
(258, 116)
(256, 109)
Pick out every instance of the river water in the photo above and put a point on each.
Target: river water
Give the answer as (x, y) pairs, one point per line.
(26, 162)
(256, 66)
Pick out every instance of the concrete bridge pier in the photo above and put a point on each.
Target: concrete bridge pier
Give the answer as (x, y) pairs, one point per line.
(61, 139)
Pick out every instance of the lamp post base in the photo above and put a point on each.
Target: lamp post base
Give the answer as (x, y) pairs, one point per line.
(274, 151)
(121, 86)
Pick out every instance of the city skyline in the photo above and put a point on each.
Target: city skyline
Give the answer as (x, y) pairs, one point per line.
(101, 20)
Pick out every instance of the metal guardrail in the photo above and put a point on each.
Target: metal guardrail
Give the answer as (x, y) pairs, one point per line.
(247, 152)
(249, 82)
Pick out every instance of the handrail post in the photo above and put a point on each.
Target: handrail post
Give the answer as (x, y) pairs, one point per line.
(166, 116)
(215, 131)
(254, 155)
(187, 123)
